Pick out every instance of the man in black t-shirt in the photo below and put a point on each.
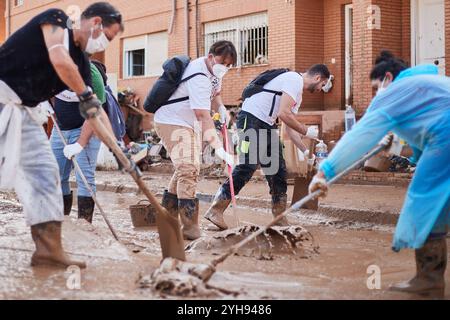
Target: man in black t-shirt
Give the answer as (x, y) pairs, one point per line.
(41, 59)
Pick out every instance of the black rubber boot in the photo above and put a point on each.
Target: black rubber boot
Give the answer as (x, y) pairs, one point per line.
(68, 201)
(279, 205)
(431, 262)
(86, 207)
(188, 210)
(170, 202)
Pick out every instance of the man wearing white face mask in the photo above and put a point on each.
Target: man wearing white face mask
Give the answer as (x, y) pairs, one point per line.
(179, 125)
(43, 58)
(273, 94)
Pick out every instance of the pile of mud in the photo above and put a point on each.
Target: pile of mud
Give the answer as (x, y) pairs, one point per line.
(183, 279)
(276, 241)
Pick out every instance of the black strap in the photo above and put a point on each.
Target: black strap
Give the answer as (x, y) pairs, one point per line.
(184, 98)
(275, 93)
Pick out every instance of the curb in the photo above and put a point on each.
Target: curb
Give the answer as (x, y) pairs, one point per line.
(350, 215)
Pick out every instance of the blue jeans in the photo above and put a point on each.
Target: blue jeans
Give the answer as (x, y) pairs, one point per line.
(87, 160)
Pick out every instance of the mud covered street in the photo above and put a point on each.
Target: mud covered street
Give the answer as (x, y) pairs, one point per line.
(338, 271)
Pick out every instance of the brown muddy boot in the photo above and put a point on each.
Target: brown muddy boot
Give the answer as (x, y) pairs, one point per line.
(68, 201)
(279, 205)
(188, 210)
(215, 212)
(170, 202)
(86, 207)
(49, 250)
(431, 262)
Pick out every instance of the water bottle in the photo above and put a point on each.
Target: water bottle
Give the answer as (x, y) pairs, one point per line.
(350, 118)
(321, 152)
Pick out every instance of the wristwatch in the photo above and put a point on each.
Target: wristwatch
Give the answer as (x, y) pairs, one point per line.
(86, 95)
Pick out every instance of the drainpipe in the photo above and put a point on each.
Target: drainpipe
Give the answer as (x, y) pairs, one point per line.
(172, 20)
(186, 26)
(197, 18)
(8, 18)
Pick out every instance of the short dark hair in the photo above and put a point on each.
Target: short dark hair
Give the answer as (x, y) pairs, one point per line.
(107, 12)
(224, 49)
(387, 62)
(320, 69)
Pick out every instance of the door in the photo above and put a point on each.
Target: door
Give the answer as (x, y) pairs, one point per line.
(429, 32)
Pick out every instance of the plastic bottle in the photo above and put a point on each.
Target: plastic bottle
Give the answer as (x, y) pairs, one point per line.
(350, 118)
(321, 152)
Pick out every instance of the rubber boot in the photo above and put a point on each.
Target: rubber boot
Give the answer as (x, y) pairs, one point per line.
(170, 202)
(49, 250)
(215, 212)
(68, 201)
(189, 210)
(279, 205)
(431, 262)
(86, 207)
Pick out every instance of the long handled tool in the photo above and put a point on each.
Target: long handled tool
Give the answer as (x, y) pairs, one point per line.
(230, 174)
(83, 177)
(301, 184)
(212, 266)
(171, 238)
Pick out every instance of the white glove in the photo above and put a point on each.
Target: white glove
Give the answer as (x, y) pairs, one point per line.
(312, 160)
(387, 140)
(72, 150)
(223, 114)
(225, 156)
(319, 183)
(312, 132)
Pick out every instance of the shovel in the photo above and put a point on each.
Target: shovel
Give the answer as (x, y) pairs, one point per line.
(301, 184)
(205, 272)
(86, 183)
(170, 236)
(230, 174)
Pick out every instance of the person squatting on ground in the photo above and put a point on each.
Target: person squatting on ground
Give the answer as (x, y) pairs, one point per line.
(413, 103)
(35, 65)
(81, 144)
(182, 125)
(260, 141)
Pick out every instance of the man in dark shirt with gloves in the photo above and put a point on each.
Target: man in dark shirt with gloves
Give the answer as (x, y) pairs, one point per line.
(43, 58)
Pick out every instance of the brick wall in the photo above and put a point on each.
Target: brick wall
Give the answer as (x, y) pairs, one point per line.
(301, 33)
(309, 44)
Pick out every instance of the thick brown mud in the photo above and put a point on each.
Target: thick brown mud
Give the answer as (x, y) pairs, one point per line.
(116, 271)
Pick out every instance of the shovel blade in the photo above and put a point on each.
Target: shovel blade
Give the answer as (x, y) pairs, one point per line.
(170, 236)
(301, 190)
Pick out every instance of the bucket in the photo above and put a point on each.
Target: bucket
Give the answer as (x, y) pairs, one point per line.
(143, 214)
(378, 163)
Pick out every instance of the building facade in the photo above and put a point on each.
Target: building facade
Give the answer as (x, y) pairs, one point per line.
(344, 34)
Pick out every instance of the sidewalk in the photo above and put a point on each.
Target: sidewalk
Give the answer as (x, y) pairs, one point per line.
(359, 203)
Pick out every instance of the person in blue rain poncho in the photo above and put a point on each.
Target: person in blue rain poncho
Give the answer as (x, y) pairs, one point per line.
(413, 103)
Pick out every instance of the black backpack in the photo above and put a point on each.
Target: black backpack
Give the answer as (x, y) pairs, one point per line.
(257, 86)
(168, 83)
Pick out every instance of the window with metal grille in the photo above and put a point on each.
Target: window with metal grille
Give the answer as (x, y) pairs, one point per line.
(250, 35)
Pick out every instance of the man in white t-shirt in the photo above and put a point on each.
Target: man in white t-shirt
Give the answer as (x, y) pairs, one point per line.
(181, 127)
(259, 138)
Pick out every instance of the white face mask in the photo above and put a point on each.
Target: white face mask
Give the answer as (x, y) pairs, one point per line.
(219, 70)
(382, 88)
(97, 45)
